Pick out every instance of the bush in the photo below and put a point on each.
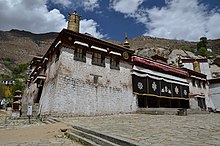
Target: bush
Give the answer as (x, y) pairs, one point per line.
(18, 70)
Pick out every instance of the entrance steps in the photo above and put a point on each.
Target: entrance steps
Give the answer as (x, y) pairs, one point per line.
(157, 111)
(169, 111)
(93, 138)
(49, 120)
(196, 111)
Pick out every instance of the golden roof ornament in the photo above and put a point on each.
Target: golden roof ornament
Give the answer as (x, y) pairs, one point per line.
(126, 43)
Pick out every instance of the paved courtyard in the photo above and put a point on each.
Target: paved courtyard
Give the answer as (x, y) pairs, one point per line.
(158, 130)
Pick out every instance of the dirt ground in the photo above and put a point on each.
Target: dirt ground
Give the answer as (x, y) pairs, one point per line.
(34, 134)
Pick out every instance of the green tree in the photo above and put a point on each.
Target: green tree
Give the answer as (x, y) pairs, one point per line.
(18, 70)
(18, 85)
(202, 47)
(202, 43)
(1, 90)
(202, 51)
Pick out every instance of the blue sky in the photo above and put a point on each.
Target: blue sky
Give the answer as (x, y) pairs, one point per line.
(112, 19)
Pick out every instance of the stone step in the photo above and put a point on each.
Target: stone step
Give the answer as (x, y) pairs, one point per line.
(80, 139)
(96, 139)
(157, 111)
(51, 120)
(115, 140)
(192, 111)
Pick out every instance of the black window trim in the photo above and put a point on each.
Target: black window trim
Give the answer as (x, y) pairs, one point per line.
(103, 55)
(83, 58)
(117, 67)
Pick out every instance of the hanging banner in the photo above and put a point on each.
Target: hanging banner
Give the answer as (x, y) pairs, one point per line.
(176, 90)
(166, 89)
(185, 91)
(154, 86)
(150, 86)
(139, 84)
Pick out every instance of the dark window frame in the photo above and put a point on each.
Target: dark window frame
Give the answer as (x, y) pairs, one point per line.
(194, 82)
(57, 55)
(204, 84)
(98, 60)
(199, 84)
(115, 62)
(80, 54)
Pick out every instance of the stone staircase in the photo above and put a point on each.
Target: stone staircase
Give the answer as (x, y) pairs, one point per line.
(158, 111)
(49, 120)
(93, 138)
(170, 111)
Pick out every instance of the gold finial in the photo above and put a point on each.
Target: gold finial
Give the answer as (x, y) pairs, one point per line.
(126, 43)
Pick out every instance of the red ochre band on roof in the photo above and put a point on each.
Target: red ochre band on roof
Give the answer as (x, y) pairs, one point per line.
(193, 60)
(158, 65)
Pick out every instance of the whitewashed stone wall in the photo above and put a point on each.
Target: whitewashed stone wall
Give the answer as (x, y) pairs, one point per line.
(193, 102)
(70, 88)
(196, 90)
(49, 88)
(188, 65)
(214, 94)
(204, 66)
(28, 97)
(205, 69)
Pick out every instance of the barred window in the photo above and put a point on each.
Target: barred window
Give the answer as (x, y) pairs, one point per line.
(80, 54)
(114, 62)
(204, 84)
(98, 58)
(57, 55)
(194, 82)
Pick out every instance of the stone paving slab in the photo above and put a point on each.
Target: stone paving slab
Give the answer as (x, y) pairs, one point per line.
(156, 130)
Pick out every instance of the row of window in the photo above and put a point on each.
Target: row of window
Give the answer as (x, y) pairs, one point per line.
(198, 83)
(98, 58)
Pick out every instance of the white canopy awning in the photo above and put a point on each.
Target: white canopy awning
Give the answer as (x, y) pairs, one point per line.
(159, 76)
(81, 43)
(97, 48)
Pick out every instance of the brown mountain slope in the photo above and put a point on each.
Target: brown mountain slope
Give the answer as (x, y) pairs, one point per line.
(20, 46)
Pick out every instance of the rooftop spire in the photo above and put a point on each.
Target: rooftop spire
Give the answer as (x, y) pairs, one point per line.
(126, 43)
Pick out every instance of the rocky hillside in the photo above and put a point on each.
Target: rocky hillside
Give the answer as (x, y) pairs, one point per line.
(19, 47)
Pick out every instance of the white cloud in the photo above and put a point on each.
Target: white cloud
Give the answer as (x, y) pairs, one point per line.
(65, 3)
(177, 20)
(34, 16)
(90, 26)
(30, 15)
(90, 4)
(126, 6)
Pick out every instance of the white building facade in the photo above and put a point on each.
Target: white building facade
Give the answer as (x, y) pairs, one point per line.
(82, 75)
(214, 93)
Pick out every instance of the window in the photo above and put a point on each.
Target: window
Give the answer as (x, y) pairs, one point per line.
(194, 82)
(80, 54)
(57, 55)
(199, 84)
(114, 62)
(204, 84)
(98, 58)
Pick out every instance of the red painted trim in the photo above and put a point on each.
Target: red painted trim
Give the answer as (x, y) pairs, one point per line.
(193, 60)
(158, 65)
